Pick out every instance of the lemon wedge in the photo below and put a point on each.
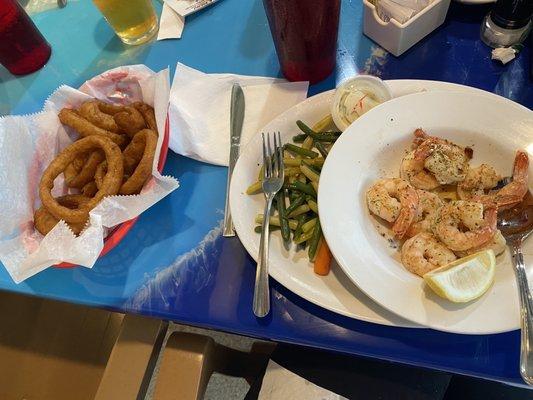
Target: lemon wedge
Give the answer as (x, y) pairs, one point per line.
(465, 279)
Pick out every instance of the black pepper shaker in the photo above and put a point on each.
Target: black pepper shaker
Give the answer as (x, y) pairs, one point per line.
(508, 23)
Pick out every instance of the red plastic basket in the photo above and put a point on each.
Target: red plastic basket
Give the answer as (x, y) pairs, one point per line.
(118, 233)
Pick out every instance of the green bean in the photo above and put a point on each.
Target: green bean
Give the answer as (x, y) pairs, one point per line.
(273, 228)
(284, 221)
(313, 244)
(303, 187)
(292, 171)
(299, 210)
(310, 173)
(313, 205)
(316, 168)
(292, 162)
(304, 237)
(275, 221)
(320, 147)
(295, 203)
(309, 225)
(299, 138)
(308, 143)
(317, 162)
(255, 188)
(300, 151)
(323, 137)
(304, 128)
(261, 173)
(301, 221)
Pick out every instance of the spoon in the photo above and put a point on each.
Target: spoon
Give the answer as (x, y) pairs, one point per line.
(515, 225)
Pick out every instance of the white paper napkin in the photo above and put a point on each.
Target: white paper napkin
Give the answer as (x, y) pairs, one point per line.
(199, 110)
(187, 7)
(29, 143)
(280, 383)
(171, 24)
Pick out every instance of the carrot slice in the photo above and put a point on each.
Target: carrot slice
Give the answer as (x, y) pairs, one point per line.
(323, 259)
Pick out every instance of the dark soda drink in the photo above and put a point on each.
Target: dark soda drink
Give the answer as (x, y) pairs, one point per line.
(22, 47)
(305, 36)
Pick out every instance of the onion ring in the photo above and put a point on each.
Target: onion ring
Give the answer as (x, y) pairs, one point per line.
(138, 159)
(110, 184)
(85, 128)
(86, 174)
(44, 221)
(143, 170)
(90, 189)
(148, 114)
(75, 167)
(130, 120)
(108, 108)
(91, 112)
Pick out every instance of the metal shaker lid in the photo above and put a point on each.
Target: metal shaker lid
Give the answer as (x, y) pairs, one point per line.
(512, 14)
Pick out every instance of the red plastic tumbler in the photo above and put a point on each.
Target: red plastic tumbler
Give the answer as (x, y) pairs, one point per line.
(22, 47)
(305, 36)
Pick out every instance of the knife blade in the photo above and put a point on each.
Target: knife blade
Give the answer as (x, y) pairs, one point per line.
(236, 121)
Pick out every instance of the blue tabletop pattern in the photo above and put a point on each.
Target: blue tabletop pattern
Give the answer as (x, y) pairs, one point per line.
(174, 264)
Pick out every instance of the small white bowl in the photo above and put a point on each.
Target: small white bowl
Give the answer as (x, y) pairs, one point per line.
(349, 92)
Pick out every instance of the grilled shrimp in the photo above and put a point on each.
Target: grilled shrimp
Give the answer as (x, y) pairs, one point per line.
(394, 200)
(496, 244)
(424, 253)
(514, 192)
(478, 180)
(434, 162)
(428, 207)
(462, 225)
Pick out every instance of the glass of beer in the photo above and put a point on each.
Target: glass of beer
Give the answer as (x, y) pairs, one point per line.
(134, 21)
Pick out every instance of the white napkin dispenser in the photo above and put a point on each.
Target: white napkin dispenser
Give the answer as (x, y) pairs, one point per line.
(396, 37)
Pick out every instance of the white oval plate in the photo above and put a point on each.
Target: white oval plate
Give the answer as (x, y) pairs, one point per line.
(334, 292)
(373, 147)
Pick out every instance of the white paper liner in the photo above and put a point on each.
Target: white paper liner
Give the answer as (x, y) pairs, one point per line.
(29, 143)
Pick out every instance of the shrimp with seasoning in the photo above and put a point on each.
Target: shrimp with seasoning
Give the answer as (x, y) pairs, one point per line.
(478, 180)
(497, 244)
(394, 200)
(428, 207)
(512, 193)
(424, 253)
(463, 225)
(434, 162)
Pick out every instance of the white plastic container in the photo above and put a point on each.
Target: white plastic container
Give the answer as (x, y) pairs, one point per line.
(396, 37)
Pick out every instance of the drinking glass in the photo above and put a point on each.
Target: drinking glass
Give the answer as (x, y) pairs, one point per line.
(134, 21)
(22, 47)
(305, 36)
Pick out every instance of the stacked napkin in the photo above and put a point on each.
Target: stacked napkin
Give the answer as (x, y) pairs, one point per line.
(199, 110)
(172, 20)
(401, 10)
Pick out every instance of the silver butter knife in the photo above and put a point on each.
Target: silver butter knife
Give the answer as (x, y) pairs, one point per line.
(236, 120)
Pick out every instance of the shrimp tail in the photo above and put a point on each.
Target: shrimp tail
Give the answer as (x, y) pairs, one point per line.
(521, 167)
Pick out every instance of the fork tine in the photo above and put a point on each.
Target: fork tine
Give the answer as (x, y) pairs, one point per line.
(281, 172)
(275, 157)
(269, 155)
(265, 157)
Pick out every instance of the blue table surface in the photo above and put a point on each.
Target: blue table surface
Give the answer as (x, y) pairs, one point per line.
(174, 264)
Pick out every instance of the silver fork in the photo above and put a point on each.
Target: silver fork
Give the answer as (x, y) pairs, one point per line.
(272, 183)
